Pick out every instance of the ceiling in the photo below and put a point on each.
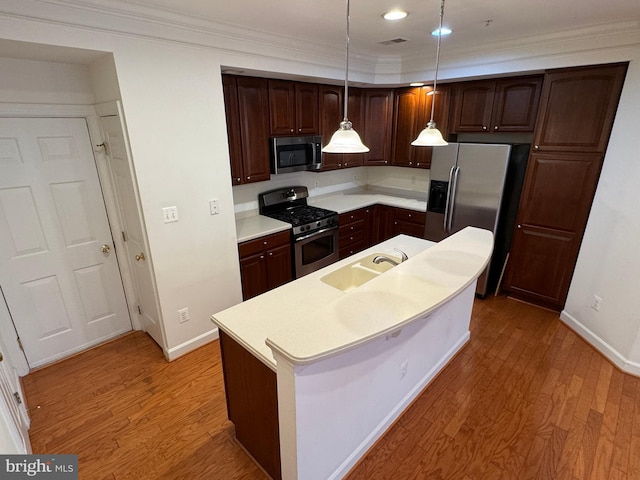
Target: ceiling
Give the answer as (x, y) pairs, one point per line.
(481, 28)
(323, 22)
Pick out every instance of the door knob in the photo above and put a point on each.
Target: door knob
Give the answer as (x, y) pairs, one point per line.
(140, 256)
(105, 248)
(1, 357)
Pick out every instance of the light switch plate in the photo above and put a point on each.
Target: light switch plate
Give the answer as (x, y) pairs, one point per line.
(170, 214)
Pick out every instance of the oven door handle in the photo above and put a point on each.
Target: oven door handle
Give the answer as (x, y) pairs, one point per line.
(317, 232)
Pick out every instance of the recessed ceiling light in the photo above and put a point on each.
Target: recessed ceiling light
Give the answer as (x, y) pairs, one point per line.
(395, 15)
(445, 31)
(416, 84)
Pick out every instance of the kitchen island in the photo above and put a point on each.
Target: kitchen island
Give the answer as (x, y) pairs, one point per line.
(338, 366)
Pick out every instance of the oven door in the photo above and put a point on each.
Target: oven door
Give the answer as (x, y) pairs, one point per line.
(315, 250)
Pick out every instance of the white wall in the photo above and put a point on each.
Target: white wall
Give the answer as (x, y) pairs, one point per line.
(609, 260)
(29, 81)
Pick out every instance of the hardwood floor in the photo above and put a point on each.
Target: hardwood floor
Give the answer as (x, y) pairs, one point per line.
(525, 399)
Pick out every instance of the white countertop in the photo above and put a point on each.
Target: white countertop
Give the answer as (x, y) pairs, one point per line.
(307, 320)
(249, 227)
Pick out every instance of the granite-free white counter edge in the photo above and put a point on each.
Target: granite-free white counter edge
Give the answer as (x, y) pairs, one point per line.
(307, 320)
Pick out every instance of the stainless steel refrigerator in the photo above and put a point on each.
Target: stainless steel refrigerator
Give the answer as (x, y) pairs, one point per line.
(479, 185)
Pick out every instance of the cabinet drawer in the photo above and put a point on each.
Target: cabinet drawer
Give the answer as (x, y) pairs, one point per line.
(412, 216)
(353, 216)
(252, 247)
(348, 236)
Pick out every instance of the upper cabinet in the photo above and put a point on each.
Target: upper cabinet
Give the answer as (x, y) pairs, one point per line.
(378, 121)
(503, 105)
(577, 109)
(293, 108)
(331, 114)
(247, 110)
(411, 112)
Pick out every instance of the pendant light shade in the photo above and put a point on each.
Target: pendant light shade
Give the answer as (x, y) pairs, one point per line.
(431, 136)
(346, 139)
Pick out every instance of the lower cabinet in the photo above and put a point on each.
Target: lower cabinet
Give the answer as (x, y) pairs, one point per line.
(408, 222)
(265, 263)
(353, 233)
(252, 404)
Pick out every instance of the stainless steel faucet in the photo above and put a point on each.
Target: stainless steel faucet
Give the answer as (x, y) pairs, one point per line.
(384, 258)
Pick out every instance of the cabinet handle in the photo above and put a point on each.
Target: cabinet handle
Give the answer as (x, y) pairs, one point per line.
(248, 178)
(264, 243)
(484, 127)
(496, 127)
(292, 130)
(386, 161)
(410, 163)
(519, 226)
(239, 180)
(536, 147)
(271, 254)
(418, 164)
(340, 165)
(261, 257)
(409, 215)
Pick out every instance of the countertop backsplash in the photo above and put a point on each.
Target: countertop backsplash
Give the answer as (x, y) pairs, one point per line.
(407, 182)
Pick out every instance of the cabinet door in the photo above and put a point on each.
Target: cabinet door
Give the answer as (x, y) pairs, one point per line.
(473, 102)
(382, 225)
(516, 104)
(279, 269)
(282, 97)
(253, 111)
(331, 115)
(577, 108)
(253, 272)
(378, 121)
(554, 207)
(407, 104)
(356, 117)
(230, 89)
(306, 108)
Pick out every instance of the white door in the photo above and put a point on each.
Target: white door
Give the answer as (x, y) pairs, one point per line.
(14, 420)
(58, 268)
(134, 240)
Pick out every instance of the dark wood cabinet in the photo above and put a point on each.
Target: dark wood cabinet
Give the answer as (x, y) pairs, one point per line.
(411, 113)
(561, 179)
(293, 108)
(265, 263)
(577, 109)
(331, 114)
(353, 232)
(252, 404)
(381, 226)
(247, 113)
(504, 105)
(408, 222)
(378, 121)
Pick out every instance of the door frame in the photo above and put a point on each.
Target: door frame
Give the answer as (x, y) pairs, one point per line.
(24, 110)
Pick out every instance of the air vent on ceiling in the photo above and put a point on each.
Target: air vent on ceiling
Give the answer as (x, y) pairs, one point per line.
(393, 41)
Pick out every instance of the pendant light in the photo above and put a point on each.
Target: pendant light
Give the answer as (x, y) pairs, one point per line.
(431, 136)
(346, 139)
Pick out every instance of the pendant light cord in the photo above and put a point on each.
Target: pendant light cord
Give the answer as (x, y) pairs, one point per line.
(346, 71)
(435, 78)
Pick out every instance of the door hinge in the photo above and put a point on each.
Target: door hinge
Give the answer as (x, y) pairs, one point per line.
(124, 237)
(16, 395)
(140, 309)
(20, 344)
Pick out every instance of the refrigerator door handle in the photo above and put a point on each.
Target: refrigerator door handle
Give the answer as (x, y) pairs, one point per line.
(448, 202)
(452, 198)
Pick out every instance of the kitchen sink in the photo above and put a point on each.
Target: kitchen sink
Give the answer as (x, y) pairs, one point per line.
(357, 273)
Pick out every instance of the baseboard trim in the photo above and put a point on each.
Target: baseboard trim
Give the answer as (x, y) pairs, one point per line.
(615, 357)
(191, 345)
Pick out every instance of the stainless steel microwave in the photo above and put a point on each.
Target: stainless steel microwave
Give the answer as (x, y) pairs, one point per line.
(294, 154)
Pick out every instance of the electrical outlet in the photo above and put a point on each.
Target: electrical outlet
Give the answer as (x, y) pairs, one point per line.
(316, 184)
(403, 368)
(597, 303)
(170, 214)
(183, 315)
(214, 206)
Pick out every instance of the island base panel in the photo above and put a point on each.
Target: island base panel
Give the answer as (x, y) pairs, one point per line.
(252, 404)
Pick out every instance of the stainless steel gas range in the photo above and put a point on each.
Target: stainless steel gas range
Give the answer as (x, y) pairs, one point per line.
(314, 230)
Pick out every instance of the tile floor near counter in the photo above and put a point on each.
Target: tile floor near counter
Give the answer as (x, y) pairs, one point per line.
(526, 398)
